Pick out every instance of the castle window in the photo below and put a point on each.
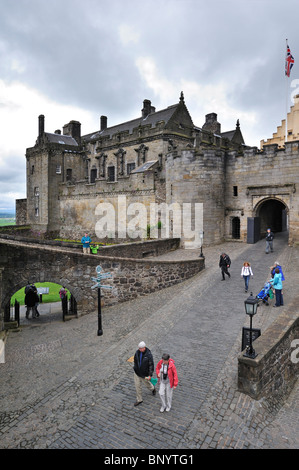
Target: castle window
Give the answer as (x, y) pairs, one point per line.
(58, 169)
(36, 212)
(111, 173)
(68, 174)
(32, 169)
(36, 191)
(93, 175)
(235, 190)
(130, 167)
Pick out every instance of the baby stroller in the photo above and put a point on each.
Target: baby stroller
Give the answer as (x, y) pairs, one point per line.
(265, 293)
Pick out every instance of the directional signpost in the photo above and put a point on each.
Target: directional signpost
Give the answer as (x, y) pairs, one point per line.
(98, 279)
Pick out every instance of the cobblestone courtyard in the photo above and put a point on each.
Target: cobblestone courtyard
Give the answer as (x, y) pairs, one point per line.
(63, 387)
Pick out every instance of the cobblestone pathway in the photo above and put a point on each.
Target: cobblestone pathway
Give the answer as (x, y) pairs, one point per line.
(63, 387)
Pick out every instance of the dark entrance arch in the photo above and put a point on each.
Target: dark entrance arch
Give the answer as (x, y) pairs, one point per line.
(272, 214)
(235, 227)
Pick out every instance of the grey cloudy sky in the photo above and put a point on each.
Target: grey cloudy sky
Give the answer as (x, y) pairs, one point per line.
(80, 59)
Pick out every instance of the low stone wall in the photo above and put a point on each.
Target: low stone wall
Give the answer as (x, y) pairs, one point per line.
(274, 371)
(131, 277)
(139, 249)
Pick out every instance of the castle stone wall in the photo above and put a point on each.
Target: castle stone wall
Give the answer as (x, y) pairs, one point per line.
(199, 177)
(259, 176)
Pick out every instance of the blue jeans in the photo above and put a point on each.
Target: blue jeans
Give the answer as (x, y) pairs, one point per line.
(278, 297)
(246, 279)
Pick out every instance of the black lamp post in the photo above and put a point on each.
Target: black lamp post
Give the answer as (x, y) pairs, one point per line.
(251, 305)
(201, 234)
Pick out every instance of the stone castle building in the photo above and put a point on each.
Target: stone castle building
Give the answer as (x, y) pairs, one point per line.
(279, 136)
(161, 157)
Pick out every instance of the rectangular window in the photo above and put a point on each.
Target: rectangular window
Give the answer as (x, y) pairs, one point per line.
(36, 191)
(58, 169)
(235, 189)
(111, 173)
(69, 174)
(130, 167)
(93, 175)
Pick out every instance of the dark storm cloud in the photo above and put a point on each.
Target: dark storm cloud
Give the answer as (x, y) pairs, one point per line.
(85, 54)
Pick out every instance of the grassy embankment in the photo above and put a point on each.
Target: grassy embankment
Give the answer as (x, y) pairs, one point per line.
(53, 295)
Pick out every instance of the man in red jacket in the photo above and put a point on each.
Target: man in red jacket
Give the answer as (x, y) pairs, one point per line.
(166, 371)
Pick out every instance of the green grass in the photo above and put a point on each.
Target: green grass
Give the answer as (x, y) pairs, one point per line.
(7, 221)
(53, 295)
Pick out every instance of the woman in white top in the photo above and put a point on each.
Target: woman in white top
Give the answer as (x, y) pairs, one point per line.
(246, 273)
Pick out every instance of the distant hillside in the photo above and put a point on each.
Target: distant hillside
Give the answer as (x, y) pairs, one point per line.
(7, 218)
(7, 215)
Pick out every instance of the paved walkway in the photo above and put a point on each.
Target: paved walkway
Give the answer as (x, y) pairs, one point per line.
(63, 387)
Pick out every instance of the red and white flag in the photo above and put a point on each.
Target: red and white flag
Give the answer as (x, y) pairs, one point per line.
(289, 62)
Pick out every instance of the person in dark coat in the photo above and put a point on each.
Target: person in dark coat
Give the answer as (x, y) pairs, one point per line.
(269, 241)
(31, 300)
(143, 371)
(224, 264)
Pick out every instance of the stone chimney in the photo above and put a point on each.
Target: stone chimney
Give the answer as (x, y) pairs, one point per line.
(41, 125)
(73, 128)
(58, 131)
(103, 123)
(147, 108)
(211, 124)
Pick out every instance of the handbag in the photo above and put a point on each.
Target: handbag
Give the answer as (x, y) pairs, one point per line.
(154, 381)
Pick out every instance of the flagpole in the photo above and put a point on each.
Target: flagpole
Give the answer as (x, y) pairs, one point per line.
(286, 75)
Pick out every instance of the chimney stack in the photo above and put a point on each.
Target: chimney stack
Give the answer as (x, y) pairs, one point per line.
(41, 125)
(147, 108)
(73, 128)
(103, 123)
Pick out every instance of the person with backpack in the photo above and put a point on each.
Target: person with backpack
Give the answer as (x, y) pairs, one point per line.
(224, 264)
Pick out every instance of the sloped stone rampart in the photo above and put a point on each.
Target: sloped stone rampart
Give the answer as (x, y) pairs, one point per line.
(275, 369)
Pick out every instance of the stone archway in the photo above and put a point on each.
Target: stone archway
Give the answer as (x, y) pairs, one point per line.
(68, 307)
(273, 213)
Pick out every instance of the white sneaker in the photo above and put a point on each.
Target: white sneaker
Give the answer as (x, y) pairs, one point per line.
(168, 408)
(162, 409)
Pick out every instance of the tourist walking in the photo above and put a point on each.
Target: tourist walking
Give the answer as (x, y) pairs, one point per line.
(269, 241)
(86, 241)
(277, 284)
(224, 264)
(167, 374)
(31, 300)
(143, 371)
(246, 272)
